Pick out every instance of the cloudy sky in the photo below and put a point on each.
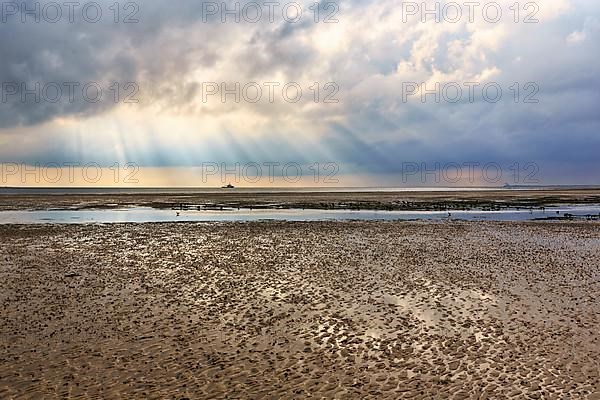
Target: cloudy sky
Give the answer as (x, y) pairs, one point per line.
(369, 92)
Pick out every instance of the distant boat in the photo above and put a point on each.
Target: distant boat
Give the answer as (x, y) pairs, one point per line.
(228, 186)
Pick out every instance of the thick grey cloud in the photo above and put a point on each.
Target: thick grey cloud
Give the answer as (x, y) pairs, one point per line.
(156, 52)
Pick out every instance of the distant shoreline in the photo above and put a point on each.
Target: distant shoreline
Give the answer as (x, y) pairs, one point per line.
(16, 190)
(488, 199)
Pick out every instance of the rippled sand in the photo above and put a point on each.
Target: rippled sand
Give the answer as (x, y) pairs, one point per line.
(298, 310)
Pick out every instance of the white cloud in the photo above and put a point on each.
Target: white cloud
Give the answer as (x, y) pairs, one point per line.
(576, 37)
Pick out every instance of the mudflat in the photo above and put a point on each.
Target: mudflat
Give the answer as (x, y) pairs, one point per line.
(393, 310)
(376, 200)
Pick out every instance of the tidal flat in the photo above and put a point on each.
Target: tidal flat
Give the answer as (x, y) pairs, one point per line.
(428, 310)
(216, 199)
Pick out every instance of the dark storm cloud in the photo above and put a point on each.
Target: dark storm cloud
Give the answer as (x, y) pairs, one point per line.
(46, 54)
(167, 42)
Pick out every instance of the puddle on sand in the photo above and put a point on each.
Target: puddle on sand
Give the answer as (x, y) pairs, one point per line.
(147, 214)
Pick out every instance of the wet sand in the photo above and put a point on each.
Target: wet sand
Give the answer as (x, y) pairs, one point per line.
(301, 310)
(421, 201)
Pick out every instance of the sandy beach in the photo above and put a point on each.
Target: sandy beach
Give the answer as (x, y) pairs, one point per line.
(421, 310)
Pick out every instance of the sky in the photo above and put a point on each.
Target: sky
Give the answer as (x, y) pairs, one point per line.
(346, 93)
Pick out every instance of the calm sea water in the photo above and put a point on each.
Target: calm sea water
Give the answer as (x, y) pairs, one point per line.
(145, 214)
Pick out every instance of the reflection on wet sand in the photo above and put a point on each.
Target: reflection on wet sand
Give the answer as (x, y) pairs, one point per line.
(147, 214)
(298, 310)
